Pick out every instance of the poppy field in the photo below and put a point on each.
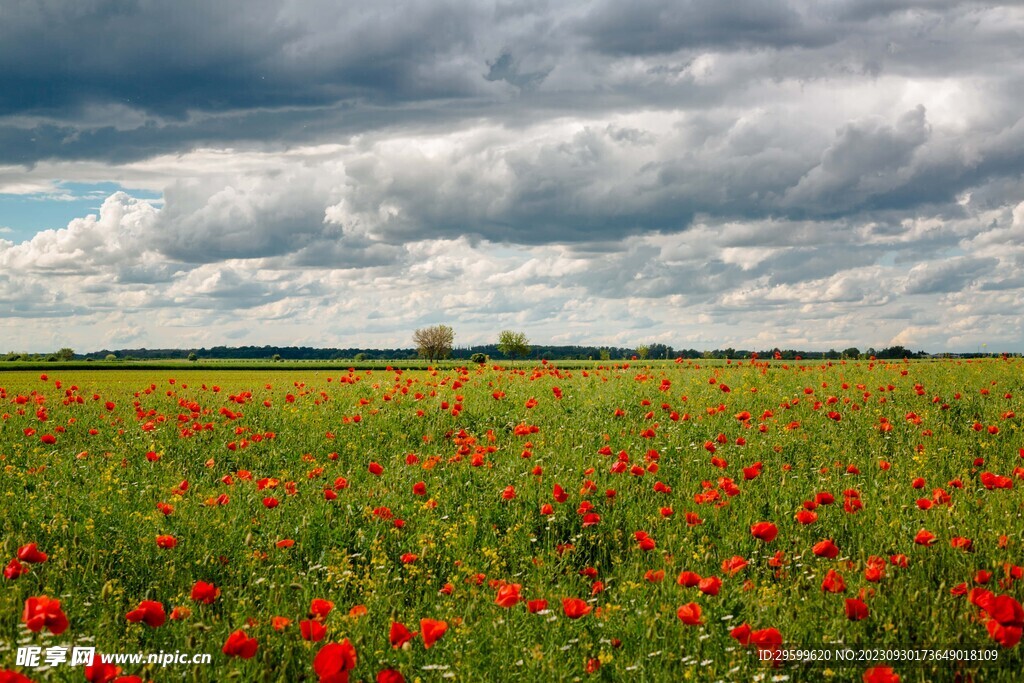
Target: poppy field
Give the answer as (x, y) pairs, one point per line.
(668, 521)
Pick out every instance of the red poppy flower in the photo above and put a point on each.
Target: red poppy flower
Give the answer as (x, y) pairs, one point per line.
(1006, 610)
(390, 676)
(166, 541)
(179, 613)
(559, 494)
(765, 531)
(806, 517)
(14, 569)
(400, 634)
(8, 676)
(654, 576)
(534, 606)
(334, 660)
(826, 549)
(710, 585)
(150, 612)
(880, 674)
(312, 630)
(1007, 636)
(31, 553)
(508, 595)
(432, 630)
(320, 608)
(767, 639)
(833, 582)
(239, 644)
(42, 611)
(205, 592)
(689, 614)
(924, 537)
(644, 541)
(376, 469)
(574, 608)
(741, 633)
(856, 609)
(980, 597)
(734, 565)
(100, 672)
(995, 481)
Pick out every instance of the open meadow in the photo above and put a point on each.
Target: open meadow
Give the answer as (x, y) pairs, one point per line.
(669, 521)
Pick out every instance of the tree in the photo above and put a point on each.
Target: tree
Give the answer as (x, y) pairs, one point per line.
(659, 351)
(513, 344)
(66, 354)
(434, 342)
(642, 350)
(852, 352)
(110, 356)
(193, 357)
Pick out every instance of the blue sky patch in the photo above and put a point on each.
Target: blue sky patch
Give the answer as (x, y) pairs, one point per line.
(24, 215)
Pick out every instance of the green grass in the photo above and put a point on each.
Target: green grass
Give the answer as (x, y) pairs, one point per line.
(89, 501)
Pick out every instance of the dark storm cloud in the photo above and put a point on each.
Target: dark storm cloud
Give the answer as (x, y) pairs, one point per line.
(168, 58)
(657, 26)
(214, 73)
(948, 276)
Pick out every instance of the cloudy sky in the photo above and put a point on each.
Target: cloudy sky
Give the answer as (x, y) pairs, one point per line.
(798, 173)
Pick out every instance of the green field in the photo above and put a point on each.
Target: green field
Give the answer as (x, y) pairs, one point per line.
(658, 467)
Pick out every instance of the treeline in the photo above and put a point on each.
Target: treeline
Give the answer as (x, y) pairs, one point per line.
(537, 352)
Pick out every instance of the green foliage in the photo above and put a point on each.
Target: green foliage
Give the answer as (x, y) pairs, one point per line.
(513, 344)
(435, 342)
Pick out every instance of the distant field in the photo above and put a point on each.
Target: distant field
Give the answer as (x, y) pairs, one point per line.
(266, 364)
(677, 518)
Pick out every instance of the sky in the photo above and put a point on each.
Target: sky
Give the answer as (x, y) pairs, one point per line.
(807, 174)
